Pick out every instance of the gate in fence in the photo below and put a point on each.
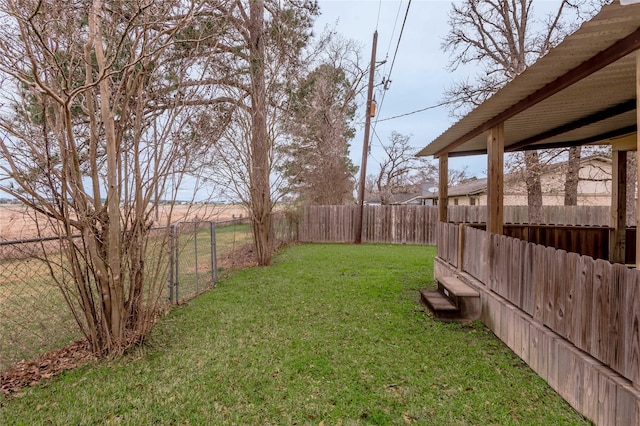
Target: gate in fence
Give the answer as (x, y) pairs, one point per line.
(192, 259)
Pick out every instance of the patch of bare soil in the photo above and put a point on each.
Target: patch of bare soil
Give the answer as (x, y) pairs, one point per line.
(30, 373)
(242, 257)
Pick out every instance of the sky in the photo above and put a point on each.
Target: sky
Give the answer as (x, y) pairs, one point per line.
(419, 76)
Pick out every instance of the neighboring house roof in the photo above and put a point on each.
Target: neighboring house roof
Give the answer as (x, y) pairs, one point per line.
(403, 198)
(583, 91)
(472, 187)
(479, 186)
(396, 199)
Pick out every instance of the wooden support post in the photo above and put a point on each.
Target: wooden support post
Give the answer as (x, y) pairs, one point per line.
(495, 188)
(638, 150)
(443, 188)
(617, 236)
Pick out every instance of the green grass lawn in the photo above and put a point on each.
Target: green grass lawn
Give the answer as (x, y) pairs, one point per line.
(330, 334)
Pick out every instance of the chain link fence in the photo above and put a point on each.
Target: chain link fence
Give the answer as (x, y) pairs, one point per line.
(34, 317)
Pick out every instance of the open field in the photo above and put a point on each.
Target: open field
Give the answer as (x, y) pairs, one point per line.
(330, 334)
(16, 222)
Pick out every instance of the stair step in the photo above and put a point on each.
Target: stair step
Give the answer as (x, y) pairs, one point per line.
(437, 302)
(456, 288)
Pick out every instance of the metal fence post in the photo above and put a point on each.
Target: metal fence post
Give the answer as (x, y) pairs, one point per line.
(177, 262)
(195, 250)
(171, 259)
(214, 264)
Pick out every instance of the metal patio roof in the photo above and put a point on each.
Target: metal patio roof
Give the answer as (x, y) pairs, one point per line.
(583, 91)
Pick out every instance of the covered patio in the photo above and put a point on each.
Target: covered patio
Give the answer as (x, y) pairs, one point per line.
(565, 299)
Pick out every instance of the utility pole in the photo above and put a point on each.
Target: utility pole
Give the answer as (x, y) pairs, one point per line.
(365, 147)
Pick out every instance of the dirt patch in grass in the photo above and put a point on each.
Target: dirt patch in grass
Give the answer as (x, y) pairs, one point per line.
(242, 257)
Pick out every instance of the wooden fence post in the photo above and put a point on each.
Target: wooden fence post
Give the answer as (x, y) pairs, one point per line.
(461, 236)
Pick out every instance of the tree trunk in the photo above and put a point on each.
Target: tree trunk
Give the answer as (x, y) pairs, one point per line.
(534, 188)
(112, 286)
(260, 144)
(572, 177)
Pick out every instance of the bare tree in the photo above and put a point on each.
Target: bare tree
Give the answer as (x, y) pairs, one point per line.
(459, 176)
(503, 37)
(572, 177)
(398, 162)
(83, 86)
(401, 172)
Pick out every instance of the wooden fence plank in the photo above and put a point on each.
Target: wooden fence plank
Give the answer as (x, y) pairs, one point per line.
(583, 304)
(495, 271)
(572, 371)
(632, 331)
(559, 291)
(600, 311)
(514, 262)
(549, 283)
(617, 316)
(519, 291)
(528, 279)
(606, 400)
(475, 253)
(573, 275)
(539, 283)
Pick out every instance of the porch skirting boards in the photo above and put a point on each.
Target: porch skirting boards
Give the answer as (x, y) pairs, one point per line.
(593, 389)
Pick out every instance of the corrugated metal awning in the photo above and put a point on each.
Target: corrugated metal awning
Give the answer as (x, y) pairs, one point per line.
(596, 108)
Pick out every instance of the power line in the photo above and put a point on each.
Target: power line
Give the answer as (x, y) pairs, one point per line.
(413, 112)
(378, 18)
(395, 54)
(395, 24)
(393, 33)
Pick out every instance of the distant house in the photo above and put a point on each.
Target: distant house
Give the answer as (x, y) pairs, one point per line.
(412, 198)
(421, 198)
(594, 187)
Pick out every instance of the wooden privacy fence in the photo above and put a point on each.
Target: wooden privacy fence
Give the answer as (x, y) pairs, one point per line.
(448, 242)
(474, 249)
(335, 224)
(380, 224)
(417, 224)
(553, 215)
(592, 303)
(586, 240)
